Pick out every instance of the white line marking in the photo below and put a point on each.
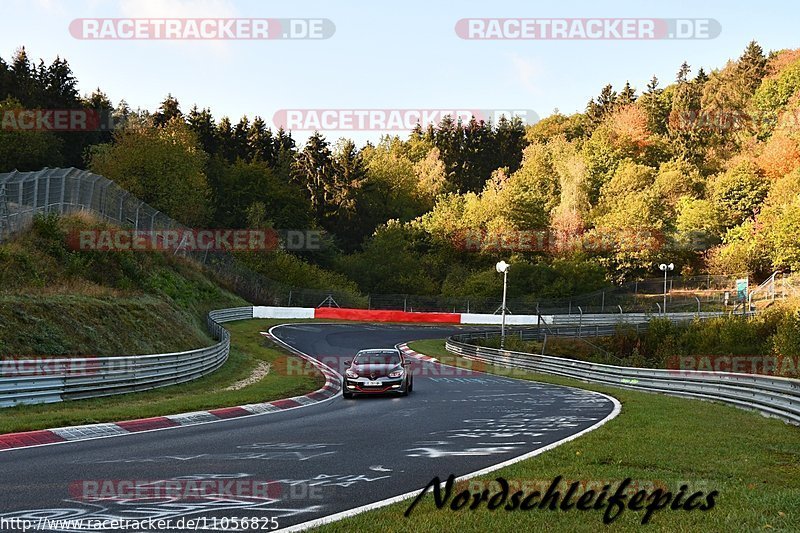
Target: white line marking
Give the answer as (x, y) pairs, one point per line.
(382, 503)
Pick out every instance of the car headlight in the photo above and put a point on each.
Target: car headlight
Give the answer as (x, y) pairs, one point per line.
(396, 374)
(350, 374)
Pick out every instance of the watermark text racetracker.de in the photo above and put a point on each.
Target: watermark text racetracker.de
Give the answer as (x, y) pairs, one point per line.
(58, 120)
(194, 240)
(28, 366)
(389, 119)
(201, 29)
(587, 28)
(708, 365)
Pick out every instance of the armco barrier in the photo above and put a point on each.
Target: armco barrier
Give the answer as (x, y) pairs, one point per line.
(511, 320)
(56, 379)
(260, 311)
(53, 380)
(773, 396)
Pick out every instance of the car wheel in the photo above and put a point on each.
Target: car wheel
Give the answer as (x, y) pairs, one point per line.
(347, 395)
(411, 386)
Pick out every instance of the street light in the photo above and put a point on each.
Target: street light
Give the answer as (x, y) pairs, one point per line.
(666, 268)
(503, 267)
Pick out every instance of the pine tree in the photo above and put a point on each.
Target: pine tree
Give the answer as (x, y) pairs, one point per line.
(313, 168)
(202, 124)
(260, 143)
(752, 66)
(597, 109)
(226, 140)
(169, 109)
(240, 133)
(23, 79)
(510, 141)
(59, 85)
(626, 96)
(701, 77)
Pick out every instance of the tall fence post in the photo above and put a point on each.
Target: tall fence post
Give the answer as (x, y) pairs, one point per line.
(3, 211)
(63, 190)
(47, 194)
(35, 193)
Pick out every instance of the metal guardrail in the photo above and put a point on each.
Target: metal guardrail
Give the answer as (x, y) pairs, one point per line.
(595, 325)
(773, 396)
(53, 380)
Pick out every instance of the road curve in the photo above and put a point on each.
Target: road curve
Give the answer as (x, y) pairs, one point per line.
(319, 460)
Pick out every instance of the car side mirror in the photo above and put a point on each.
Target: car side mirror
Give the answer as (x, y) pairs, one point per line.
(347, 363)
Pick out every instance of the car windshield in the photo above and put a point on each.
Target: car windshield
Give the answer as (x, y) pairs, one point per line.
(377, 358)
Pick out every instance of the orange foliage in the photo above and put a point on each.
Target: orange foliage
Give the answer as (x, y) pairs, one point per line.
(630, 123)
(781, 61)
(567, 229)
(781, 155)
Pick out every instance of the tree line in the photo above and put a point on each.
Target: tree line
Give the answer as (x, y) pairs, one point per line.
(703, 171)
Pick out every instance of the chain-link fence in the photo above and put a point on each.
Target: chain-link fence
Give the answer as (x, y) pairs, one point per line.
(23, 195)
(64, 191)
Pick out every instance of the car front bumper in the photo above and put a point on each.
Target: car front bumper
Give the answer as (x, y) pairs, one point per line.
(388, 385)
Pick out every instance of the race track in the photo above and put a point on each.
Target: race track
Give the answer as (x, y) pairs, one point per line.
(320, 460)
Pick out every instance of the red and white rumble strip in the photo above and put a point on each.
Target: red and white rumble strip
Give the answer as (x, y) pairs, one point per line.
(331, 388)
(408, 352)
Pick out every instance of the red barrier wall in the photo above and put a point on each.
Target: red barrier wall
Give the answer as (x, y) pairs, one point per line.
(385, 316)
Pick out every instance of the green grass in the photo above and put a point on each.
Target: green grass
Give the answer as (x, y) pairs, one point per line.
(55, 301)
(64, 325)
(248, 347)
(753, 462)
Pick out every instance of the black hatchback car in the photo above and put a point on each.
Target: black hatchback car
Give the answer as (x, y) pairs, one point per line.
(377, 371)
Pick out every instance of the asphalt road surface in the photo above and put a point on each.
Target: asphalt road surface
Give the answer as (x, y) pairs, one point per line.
(300, 465)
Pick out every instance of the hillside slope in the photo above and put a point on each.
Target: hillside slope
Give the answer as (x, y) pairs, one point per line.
(55, 301)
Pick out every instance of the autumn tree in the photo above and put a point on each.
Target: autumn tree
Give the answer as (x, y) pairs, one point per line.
(164, 167)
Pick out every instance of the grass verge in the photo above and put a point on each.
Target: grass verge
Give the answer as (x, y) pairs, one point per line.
(247, 349)
(656, 440)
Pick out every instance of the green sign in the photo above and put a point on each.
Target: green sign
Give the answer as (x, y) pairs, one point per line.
(741, 289)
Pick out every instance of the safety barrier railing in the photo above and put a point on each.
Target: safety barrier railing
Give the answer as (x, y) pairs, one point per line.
(46, 380)
(771, 395)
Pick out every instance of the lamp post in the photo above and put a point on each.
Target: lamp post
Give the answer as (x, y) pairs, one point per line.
(503, 267)
(666, 268)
